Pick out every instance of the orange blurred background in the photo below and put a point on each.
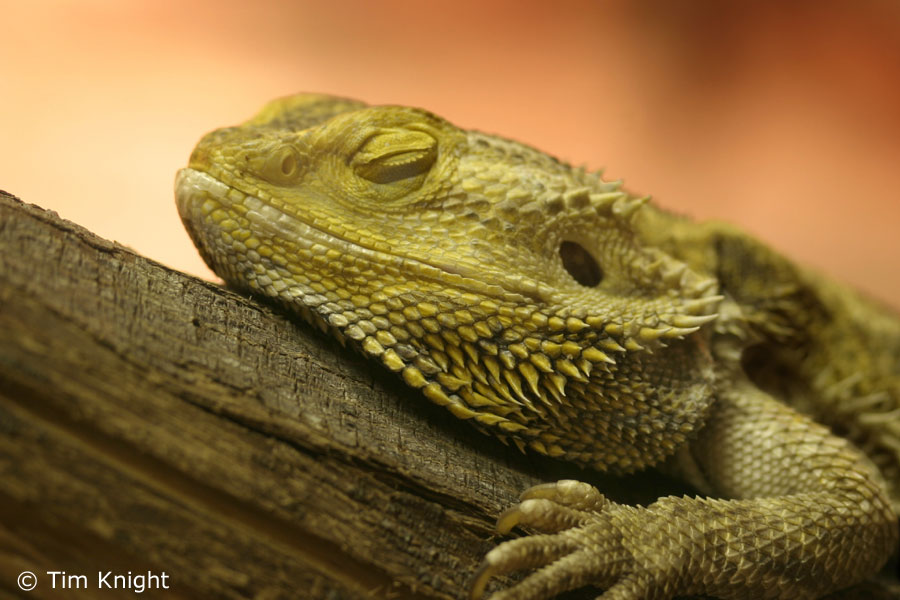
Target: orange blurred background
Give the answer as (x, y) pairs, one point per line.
(781, 116)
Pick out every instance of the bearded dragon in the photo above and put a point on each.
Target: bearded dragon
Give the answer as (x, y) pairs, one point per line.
(555, 310)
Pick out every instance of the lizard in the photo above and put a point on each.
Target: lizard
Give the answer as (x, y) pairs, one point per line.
(561, 313)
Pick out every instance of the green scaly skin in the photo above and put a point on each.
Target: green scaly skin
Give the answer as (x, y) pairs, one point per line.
(552, 309)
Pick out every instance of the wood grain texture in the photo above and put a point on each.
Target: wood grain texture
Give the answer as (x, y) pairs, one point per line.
(153, 421)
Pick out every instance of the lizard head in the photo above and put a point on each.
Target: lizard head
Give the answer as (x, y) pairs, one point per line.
(505, 285)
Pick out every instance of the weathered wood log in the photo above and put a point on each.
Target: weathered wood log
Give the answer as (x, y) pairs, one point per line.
(151, 421)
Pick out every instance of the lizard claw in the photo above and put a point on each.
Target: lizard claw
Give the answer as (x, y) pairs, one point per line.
(557, 557)
(553, 507)
(568, 492)
(577, 544)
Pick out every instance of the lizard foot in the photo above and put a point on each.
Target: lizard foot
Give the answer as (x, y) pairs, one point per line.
(768, 547)
(579, 544)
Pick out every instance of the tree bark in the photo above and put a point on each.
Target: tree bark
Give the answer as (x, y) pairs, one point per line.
(151, 421)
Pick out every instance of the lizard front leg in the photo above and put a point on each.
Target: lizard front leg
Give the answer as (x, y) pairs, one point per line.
(806, 515)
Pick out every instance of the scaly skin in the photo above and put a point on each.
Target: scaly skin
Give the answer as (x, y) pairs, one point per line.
(551, 309)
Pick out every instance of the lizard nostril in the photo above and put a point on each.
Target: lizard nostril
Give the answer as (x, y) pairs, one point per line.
(579, 263)
(288, 165)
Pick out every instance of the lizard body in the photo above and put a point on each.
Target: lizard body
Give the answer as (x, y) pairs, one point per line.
(554, 310)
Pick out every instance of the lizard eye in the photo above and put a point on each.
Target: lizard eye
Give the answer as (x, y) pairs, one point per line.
(394, 154)
(579, 263)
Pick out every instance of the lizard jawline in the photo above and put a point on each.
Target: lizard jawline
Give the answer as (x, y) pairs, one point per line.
(193, 185)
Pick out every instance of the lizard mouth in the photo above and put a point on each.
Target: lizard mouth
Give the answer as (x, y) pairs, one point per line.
(199, 194)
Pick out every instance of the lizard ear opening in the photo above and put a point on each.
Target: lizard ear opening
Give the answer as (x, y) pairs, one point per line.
(579, 263)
